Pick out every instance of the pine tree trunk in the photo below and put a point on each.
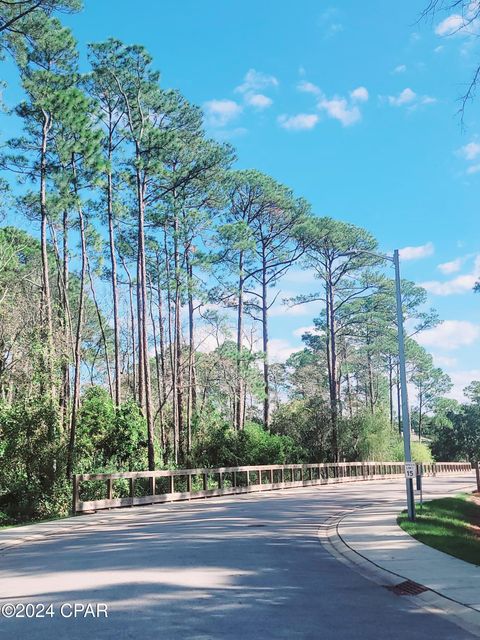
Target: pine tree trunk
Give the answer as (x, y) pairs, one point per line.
(161, 331)
(132, 329)
(172, 352)
(78, 341)
(66, 324)
(102, 328)
(333, 372)
(158, 372)
(192, 391)
(142, 315)
(140, 370)
(266, 367)
(390, 388)
(113, 267)
(239, 409)
(370, 382)
(178, 343)
(46, 295)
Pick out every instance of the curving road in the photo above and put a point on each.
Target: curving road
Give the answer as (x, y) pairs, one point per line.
(248, 567)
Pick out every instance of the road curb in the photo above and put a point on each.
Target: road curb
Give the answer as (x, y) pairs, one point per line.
(431, 601)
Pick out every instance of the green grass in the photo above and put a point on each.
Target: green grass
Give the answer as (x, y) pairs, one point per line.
(445, 525)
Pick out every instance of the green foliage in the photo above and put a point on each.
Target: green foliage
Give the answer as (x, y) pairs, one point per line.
(462, 441)
(421, 452)
(223, 446)
(21, 23)
(368, 436)
(307, 423)
(32, 470)
(109, 436)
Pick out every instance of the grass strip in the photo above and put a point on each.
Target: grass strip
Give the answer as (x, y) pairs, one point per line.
(451, 525)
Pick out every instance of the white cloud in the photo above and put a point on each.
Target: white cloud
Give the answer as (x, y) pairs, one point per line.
(409, 98)
(450, 335)
(307, 308)
(345, 110)
(220, 112)
(414, 253)
(462, 379)
(474, 168)
(302, 330)
(258, 100)
(339, 109)
(450, 25)
(451, 267)
(404, 97)
(401, 68)
(439, 48)
(470, 151)
(252, 86)
(299, 122)
(444, 361)
(255, 81)
(360, 94)
(460, 284)
(280, 350)
(308, 87)
(329, 22)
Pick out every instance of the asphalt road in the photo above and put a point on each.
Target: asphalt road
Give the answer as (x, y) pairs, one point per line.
(248, 567)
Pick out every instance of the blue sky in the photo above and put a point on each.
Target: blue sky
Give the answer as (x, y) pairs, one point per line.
(354, 107)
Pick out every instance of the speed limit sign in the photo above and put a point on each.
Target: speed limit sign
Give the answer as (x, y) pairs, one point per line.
(410, 469)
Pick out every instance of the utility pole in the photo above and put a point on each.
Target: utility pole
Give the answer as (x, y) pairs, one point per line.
(403, 386)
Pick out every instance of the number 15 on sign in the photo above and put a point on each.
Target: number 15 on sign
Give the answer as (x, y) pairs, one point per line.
(410, 469)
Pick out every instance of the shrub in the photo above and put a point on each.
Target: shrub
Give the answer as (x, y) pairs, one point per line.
(368, 436)
(109, 438)
(223, 446)
(307, 423)
(420, 452)
(32, 460)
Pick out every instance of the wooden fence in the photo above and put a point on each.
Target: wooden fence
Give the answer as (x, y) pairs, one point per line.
(110, 490)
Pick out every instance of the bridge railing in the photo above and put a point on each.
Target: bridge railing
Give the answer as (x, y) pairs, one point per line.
(126, 489)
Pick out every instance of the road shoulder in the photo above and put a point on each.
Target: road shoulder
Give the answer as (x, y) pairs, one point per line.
(370, 541)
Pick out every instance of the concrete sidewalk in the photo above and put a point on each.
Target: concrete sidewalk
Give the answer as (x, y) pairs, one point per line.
(371, 539)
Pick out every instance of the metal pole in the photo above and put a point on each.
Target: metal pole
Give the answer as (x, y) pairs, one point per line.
(403, 386)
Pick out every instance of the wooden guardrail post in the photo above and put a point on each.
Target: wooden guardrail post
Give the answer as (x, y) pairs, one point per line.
(477, 473)
(132, 489)
(151, 485)
(109, 489)
(75, 494)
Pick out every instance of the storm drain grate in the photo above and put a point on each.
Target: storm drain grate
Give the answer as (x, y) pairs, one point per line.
(407, 588)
